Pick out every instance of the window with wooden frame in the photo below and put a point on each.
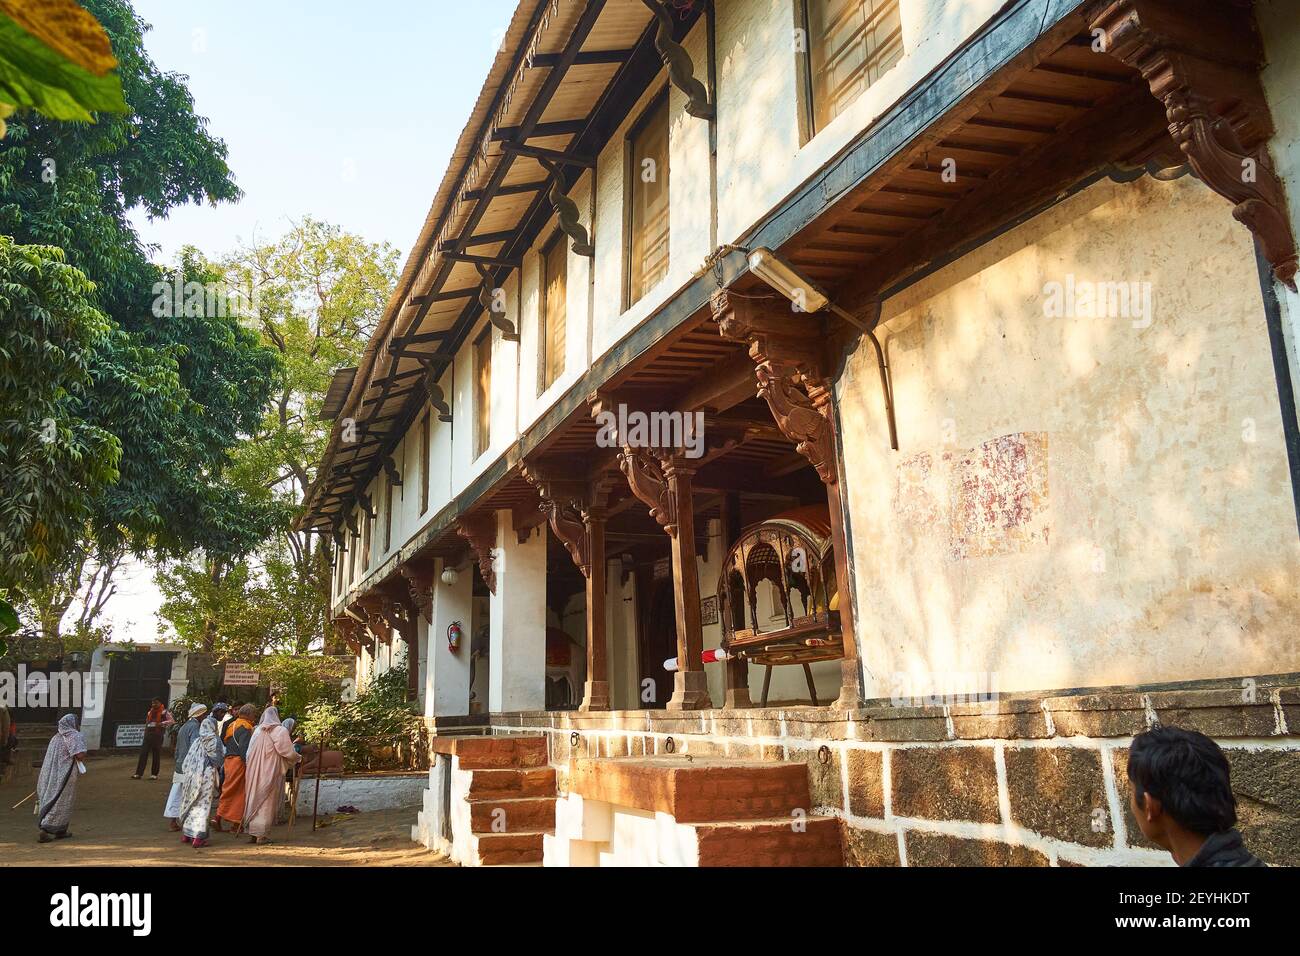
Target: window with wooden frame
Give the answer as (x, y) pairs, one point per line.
(388, 514)
(483, 392)
(851, 44)
(365, 540)
(553, 312)
(647, 201)
(425, 426)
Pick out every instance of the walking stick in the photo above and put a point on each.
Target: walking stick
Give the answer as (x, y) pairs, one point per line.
(320, 762)
(23, 800)
(293, 793)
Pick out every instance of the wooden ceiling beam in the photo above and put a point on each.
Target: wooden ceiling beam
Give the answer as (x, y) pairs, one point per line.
(1095, 140)
(561, 128)
(584, 58)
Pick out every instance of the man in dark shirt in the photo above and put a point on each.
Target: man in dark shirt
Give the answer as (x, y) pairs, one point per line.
(1182, 798)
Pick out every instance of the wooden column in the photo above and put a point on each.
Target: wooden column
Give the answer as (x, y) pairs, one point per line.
(596, 692)
(791, 365)
(736, 670)
(690, 685)
(576, 511)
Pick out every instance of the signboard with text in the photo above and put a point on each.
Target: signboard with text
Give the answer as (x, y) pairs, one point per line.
(129, 735)
(240, 675)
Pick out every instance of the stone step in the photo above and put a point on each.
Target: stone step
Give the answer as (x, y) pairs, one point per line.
(521, 814)
(696, 790)
(508, 784)
(509, 849)
(777, 842)
(493, 753)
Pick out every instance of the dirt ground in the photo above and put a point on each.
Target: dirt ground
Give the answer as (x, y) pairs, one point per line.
(118, 822)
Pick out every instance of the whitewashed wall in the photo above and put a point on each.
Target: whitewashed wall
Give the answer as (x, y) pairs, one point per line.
(1148, 532)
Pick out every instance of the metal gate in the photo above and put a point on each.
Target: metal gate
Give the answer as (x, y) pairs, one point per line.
(134, 679)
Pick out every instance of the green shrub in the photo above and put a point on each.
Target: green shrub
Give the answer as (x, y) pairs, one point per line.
(378, 730)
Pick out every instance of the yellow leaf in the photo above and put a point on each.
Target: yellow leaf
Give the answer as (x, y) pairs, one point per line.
(64, 26)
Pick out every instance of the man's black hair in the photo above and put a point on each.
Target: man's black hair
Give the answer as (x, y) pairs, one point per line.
(1187, 772)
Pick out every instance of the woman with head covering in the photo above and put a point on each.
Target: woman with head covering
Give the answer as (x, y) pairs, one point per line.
(201, 784)
(185, 738)
(270, 754)
(56, 789)
(236, 738)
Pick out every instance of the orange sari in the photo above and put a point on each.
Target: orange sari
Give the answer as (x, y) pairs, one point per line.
(231, 806)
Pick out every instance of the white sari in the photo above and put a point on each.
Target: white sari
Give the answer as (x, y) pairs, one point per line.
(201, 781)
(56, 788)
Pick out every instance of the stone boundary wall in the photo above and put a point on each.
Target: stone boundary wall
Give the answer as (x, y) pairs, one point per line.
(363, 791)
(1027, 781)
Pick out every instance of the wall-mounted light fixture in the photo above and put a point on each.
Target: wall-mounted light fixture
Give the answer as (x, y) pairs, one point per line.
(805, 294)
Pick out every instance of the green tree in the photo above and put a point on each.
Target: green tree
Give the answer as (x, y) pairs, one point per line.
(321, 292)
(52, 455)
(177, 388)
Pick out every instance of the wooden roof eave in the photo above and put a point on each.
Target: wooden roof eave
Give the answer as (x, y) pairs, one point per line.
(641, 57)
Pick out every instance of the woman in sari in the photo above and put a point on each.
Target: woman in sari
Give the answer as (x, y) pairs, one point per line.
(56, 789)
(202, 784)
(237, 738)
(270, 754)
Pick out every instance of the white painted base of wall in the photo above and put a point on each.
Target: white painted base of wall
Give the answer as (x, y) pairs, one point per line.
(388, 792)
(428, 829)
(595, 833)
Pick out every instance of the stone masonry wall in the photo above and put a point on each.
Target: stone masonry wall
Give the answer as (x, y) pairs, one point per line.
(1030, 781)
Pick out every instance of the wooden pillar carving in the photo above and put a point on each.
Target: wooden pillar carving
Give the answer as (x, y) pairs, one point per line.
(377, 611)
(791, 370)
(576, 511)
(420, 581)
(480, 531)
(346, 628)
(661, 479)
(1202, 61)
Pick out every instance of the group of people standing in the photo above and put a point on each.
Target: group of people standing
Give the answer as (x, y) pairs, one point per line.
(232, 763)
(227, 763)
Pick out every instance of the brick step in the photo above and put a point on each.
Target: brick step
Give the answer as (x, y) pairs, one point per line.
(518, 815)
(493, 753)
(700, 790)
(509, 849)
(770, 843)
(507, 784)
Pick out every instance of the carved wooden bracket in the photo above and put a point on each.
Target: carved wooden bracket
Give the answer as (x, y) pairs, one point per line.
(572, 508)
(481, 532)
(346, 628)
(390, 469)
(681, 71)
(350, 518)
(366, 504)
(645, 476)
(1202, 61)
(375, 609)
(489, 300)
(790, 371)
(567, 212)
(524, 519)
(435, 395)
(420, 581)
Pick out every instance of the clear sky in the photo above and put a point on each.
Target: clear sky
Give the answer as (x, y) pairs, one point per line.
(341, 110)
